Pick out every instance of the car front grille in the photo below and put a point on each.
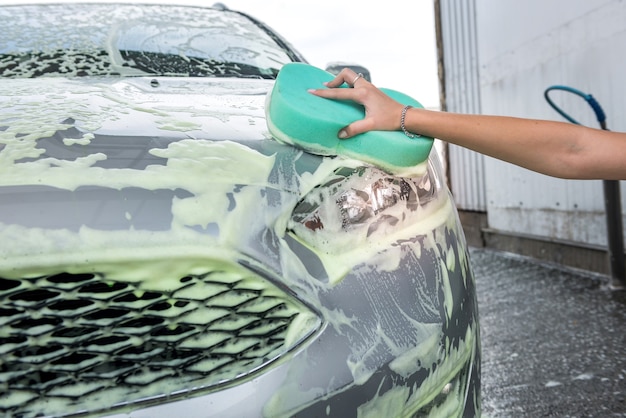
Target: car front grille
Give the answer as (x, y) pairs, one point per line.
(79, 343)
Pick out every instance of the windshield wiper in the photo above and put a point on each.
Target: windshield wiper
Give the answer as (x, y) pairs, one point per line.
(157, 63)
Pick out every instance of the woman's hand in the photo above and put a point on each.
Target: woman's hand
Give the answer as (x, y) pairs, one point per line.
(382, 113)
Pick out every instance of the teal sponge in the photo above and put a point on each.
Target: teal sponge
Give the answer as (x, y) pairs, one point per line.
(311, 123)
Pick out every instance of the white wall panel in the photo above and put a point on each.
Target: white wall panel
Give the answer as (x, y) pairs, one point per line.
(499, 57)
(582, 47)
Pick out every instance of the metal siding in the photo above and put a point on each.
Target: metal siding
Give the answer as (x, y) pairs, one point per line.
(581, 50)
(499, 56)
(460, 56)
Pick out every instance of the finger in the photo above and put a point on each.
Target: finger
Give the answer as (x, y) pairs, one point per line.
(337, 94)
(355, 128)
(345, 76)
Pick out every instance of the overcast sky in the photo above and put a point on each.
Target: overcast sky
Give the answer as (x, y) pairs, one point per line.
(394, 39)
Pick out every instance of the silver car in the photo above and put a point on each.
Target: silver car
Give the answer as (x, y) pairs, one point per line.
(162, 255)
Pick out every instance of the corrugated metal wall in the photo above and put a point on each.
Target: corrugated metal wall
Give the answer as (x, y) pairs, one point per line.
(499, 57)
(462, 95)
(577, 43)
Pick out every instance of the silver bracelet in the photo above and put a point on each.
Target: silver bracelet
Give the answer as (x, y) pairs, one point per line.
(402, 118)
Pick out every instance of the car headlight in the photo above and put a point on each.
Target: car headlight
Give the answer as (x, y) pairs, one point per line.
(356, 205)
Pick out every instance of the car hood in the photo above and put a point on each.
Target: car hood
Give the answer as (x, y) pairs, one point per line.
(105, 165)
(202, 108)
(105, 169)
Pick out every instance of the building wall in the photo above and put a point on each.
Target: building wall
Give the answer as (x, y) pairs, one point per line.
(521, 49)
(461, 94)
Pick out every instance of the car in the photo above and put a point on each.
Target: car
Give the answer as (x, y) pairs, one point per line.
(162, 254)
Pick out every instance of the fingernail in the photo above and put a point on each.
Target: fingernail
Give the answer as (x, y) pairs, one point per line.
(311, 90)
(342, 134)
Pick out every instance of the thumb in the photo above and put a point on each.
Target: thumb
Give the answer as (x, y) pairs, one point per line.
(355, 128)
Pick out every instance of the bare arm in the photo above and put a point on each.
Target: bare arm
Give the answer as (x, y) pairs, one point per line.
(558, 149)
(554, 148)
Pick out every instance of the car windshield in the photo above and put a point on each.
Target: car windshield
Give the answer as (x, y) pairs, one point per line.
(73, 40)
